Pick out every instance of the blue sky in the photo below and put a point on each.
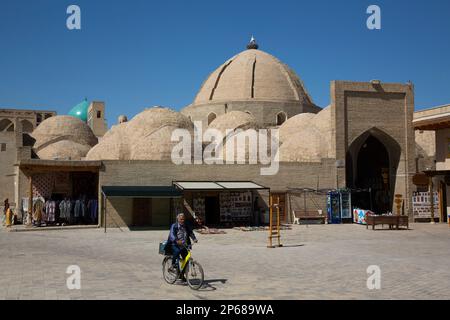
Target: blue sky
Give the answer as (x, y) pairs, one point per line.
(136, 54)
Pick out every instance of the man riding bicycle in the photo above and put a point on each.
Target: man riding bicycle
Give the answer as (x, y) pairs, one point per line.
(179, 238)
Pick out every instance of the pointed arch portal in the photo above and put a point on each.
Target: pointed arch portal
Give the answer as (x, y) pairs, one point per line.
(371, 164)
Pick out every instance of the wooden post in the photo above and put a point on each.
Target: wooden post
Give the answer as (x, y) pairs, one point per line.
(430, 185)
(270, 221)
(30, 200)
(278, 221)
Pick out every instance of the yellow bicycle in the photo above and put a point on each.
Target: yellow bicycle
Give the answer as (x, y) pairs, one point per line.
(188, 267)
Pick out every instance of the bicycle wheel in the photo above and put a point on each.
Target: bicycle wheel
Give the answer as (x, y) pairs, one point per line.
(170, 276)
(194, 275)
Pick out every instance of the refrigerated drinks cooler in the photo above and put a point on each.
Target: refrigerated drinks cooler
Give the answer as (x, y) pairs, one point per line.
(339, 206)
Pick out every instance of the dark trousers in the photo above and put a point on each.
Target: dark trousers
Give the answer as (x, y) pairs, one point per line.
(176, 252)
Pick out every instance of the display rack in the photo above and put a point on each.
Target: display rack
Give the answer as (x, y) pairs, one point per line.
(235, 206)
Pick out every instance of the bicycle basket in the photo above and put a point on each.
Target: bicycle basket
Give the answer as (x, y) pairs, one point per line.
(162, 247)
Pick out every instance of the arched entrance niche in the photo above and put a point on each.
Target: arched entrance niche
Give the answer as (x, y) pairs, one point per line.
(371, 164)
(27, 126)
(211, 117)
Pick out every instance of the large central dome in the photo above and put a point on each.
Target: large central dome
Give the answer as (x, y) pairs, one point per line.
(252, 74)
(254, 82)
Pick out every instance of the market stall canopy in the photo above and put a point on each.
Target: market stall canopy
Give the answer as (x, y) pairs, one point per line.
(141, 191)
(218, 185)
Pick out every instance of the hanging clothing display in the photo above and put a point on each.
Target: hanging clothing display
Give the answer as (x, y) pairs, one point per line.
(65, 208)
(79, 210)
(50, 210)
(93, 208)
(38, 209)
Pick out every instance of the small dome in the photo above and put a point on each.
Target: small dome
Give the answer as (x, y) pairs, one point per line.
(292, 125)
(59, 128)
(234, 120)
(80, 111)
(156, 146)
(307, 145)
(322, 120)
(145, 137)
(243, 149)
(64, 150)
(306, 138)
(122, 118)
(153, 118)
(113, 146)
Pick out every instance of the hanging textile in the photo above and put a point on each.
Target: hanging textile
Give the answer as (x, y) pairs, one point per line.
(93, 208)
(50, 209)
(65, 207)
(38, 210)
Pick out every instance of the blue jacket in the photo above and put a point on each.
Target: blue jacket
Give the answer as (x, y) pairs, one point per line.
(174, 231)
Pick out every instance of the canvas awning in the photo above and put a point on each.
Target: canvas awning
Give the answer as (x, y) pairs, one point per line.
(218, 185)
(141, 192)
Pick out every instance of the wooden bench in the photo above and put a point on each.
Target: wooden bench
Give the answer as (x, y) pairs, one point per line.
(391, 221)
(300, 215)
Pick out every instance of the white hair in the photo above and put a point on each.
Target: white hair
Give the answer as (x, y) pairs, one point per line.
(180, 215)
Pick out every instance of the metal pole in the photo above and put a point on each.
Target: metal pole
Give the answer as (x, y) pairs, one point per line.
(278, 222)
(104, 209)
(270, 221)
(431, 200)
(30, 201)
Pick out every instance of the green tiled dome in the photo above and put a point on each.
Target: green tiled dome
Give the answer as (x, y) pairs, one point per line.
(80, 111)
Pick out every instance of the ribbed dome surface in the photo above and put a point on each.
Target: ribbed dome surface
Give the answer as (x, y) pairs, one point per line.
(252, 74)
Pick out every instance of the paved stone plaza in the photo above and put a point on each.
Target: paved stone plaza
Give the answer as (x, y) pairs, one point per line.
(317, 262)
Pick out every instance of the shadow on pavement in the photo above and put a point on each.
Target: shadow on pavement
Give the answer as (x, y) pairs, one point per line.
(292, 245)
(207, 284)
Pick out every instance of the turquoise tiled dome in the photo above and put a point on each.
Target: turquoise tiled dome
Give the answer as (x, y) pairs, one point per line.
(80, 111)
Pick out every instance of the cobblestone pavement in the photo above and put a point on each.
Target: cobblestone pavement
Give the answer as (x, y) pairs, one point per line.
(317, 262)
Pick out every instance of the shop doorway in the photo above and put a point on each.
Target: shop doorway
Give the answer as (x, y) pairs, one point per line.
(212, 210)
(372, 162)
(142, 215)
(85, 184)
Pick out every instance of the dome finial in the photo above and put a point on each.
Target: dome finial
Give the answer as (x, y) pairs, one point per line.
(252, 44)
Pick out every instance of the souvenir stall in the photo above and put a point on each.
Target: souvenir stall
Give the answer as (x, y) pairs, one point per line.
(62, 194)
(221, 203)
(236, 206)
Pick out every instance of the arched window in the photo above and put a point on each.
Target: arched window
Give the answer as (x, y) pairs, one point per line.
(27, 126)
(281, 118)
(211, 117)
(6, 125)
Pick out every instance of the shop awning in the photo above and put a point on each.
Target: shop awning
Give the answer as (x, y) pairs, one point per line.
(141, 192)
(241, 185)
(218, 185)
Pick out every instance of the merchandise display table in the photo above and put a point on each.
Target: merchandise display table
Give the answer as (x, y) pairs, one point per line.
(390, 220)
